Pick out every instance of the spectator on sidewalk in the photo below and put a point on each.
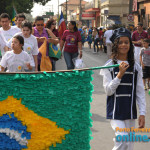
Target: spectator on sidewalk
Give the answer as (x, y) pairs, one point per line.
(95, 34)
(137, 38)
(89, 38)
(107, 41)
(101, 34)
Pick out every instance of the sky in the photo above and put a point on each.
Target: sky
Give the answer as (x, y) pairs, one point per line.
(50, 6)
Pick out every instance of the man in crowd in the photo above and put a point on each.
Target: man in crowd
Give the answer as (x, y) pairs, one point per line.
(7, 30)
(19, 19)
(137, 39)
(107, 41)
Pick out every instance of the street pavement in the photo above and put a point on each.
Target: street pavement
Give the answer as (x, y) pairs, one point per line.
(102, 132)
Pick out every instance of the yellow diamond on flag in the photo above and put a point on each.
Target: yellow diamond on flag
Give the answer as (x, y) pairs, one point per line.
(44, 132)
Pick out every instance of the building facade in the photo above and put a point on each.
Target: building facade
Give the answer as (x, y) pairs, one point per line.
(141, 11)
(115, 12)
(72, 7)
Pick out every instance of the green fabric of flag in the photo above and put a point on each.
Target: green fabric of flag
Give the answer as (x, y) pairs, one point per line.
(61, 100)
(13, 17)
(54, 51)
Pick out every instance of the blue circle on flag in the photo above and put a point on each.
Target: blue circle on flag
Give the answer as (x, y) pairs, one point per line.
(13, 135)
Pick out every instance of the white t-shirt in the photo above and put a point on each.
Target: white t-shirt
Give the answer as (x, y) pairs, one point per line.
(15, 62)
(30, 46)
(3, 43)
(19, 30)
(9, 33)
(107, 35)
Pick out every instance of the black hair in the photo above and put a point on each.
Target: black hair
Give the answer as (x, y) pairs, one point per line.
(26, 24)
(146, 40)
(75, 26)
(4, 15)
(130, 55)
(21, 15)
(20, 39)
(39, 18)
(140, 24)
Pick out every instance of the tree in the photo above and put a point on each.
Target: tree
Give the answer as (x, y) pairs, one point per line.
(20, 5)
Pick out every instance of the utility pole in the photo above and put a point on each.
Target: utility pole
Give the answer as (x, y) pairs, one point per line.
(66, 10)
(80, 13)
(58, 12)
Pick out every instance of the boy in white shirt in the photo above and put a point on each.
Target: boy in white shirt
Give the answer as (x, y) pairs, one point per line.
(145, 62)
(19, 19)
(7, 30)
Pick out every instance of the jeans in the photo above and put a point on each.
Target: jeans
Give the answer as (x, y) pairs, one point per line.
(68, 59)
(96, 44)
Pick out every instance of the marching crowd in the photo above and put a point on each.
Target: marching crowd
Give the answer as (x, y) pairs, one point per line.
(19, 45)
(20, 50)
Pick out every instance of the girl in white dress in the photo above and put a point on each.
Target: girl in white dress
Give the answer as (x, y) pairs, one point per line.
(16, 60)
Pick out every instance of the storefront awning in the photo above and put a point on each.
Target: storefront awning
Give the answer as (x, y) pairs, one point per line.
(116, 19)
(113, 17)
(92, 10)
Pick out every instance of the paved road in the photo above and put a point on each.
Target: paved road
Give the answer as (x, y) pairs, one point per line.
(101, 131)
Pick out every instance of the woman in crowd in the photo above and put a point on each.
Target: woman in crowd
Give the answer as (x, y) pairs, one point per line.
(72, 40)
(51, 24)
(40, 33)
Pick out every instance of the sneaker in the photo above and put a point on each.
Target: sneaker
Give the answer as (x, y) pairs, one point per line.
(94, 52)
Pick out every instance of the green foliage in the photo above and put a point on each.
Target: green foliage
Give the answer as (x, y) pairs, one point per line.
(20, 5)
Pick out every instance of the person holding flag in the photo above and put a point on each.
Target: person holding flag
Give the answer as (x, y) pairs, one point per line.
(62, 25)
(14, 13)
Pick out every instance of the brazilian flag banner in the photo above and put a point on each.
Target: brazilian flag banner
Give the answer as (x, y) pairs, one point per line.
(13, 17)
(45, 111)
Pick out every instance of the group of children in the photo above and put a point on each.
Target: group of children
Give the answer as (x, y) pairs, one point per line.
(19, 48)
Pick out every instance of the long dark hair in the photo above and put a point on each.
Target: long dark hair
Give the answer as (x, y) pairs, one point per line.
(130, 56)
(75, 26)
(49, 24)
